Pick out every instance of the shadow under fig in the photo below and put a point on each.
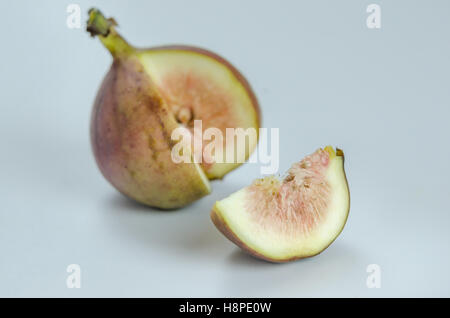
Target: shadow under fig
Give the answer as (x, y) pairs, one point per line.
(300, 278)
(188, 230)
(243, 259)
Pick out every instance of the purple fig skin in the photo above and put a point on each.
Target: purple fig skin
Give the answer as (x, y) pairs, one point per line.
(131, 140)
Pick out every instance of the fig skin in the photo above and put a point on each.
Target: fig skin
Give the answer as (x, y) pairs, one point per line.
(130, 136)
(131, 126)
(222, 226)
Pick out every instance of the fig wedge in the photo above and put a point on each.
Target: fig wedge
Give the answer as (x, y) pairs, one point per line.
(297, 217)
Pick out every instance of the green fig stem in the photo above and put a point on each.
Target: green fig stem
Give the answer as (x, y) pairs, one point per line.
(98, 25)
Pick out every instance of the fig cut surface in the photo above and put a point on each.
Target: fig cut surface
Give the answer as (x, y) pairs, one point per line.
(297, 217)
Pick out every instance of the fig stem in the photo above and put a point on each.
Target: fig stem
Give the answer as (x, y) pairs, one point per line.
(98, 25)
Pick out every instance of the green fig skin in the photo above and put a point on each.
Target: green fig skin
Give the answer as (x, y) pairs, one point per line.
(131, 141)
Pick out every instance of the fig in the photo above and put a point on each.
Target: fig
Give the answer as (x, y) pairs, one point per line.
(145, 96)
(297, 217)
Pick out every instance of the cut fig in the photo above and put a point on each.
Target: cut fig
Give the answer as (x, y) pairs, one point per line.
(145, 97)
(297, 217)
(203, 86)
